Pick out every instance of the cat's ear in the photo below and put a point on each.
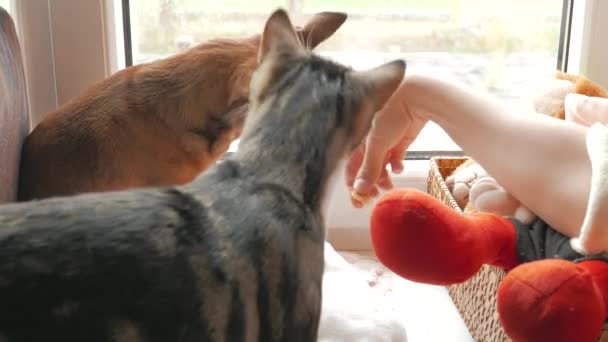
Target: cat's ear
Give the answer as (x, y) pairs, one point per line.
(381, 81)
(320, 27)
(279, 36)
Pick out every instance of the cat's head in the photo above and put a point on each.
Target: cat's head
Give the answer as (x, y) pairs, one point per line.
(313, 97)
(316, 30)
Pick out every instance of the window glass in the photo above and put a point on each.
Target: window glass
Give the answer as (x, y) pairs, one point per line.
(6, 4)
(498, 45)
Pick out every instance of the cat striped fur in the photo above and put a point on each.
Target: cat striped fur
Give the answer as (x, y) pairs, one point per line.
(236, 255)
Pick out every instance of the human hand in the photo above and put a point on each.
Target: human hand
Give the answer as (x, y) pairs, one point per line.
(393, 130)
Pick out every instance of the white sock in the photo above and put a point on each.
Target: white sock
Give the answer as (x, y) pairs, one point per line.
(593, 238)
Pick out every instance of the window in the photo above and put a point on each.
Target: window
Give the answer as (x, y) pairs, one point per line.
(65, 53)
(497, 45)
(6, 4)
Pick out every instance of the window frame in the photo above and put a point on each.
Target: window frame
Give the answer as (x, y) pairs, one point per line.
(55, 72)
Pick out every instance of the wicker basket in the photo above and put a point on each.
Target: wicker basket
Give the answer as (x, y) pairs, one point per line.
(475, 298)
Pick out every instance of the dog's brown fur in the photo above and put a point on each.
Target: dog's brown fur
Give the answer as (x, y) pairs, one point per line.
(155, 124)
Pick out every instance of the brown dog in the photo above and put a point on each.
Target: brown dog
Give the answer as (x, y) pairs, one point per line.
(155, 124)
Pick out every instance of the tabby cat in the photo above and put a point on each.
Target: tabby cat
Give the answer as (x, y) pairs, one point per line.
(236, 255)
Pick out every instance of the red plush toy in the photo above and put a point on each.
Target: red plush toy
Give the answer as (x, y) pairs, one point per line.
(551, 293)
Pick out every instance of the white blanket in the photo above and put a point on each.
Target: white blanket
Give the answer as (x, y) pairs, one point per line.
(354, 308)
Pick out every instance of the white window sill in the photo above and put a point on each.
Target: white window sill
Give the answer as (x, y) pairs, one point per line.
(348, 227)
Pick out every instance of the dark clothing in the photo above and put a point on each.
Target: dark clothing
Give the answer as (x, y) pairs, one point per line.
(538, 241)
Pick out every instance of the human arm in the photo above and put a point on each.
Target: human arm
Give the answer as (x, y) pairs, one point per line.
(541, 161)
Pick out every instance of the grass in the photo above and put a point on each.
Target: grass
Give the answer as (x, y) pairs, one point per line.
(474, 26)
(461, 7)
(454, 7)
(213, 6)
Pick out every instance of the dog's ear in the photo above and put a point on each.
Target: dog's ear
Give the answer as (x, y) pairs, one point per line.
(320, 27)
(279, 36)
